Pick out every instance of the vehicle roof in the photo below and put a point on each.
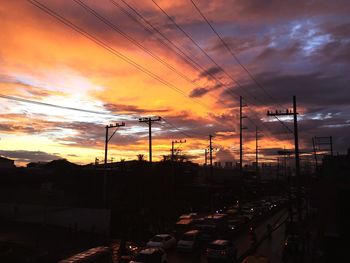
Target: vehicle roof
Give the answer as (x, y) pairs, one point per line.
(192, 232)
(150, 250)
(162, 235)
(220, 242)
(216, 216)
(184, 221)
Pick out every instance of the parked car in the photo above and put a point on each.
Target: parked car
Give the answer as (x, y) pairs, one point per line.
(248, 213)
(209, 232)
(235, 223)
(222, 250)
(164, 241)
(189, 241)
(151, 255)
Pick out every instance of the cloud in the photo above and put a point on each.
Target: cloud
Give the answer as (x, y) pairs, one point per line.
(213, 71)
(292, 48)
(129, 109)
(199, 92)
(29, 156)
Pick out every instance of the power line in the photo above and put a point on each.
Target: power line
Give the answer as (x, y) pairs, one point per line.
(237, 60)
(131, 39)
(104, 45)
(13, 98)
(230, 51)
(187, 59)
(169, 44)
(108, 48)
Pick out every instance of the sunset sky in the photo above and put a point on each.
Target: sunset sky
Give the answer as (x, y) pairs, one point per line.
(120, 71)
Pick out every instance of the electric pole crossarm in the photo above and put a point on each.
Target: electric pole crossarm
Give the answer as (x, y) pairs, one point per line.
(117, 125)
(149, 121)
(173, 147)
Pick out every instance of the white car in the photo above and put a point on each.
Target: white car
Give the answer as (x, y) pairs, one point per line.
(164, 241)
(151, 255)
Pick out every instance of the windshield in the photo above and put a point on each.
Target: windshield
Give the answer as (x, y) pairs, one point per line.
(157, 239)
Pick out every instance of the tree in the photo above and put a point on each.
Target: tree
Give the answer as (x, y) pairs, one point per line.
(140, 157)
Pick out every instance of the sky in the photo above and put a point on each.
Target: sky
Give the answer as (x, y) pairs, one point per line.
(119, 60)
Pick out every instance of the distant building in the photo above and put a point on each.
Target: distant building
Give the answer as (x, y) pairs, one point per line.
(6, 163)
(217, 164)
(228, 165)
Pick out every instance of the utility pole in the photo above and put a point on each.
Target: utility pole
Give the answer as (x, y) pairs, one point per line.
(149, 121)
(111, 126)
(173, 147)
(293, 113)
(241, 128)
(211, 154)
(315, 154)
(257, 154)
(206, 157)
(331, 142)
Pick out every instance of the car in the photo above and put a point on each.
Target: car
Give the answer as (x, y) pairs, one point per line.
(231, 211)
(209, 232)
(248, 213)
(189, 241)
(235, 223)
(222, 250)
(188, 216)
(151, 255)
(162, 240)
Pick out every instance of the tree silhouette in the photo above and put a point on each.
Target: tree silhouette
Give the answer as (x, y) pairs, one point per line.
(140, 157)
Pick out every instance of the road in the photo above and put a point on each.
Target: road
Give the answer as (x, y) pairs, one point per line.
(273, 247)
(243, 242)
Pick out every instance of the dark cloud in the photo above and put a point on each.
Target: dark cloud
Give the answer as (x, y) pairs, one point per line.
(310, 89)
(29, 156)
(213, 71)
(127, 109)
(275, 53)
(239, 43)
(199, 92)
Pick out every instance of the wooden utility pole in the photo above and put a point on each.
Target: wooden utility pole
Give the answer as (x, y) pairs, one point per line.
(241, 128)
(173, 143)
(257, 153)
(107, 139)
(206, 157)
(149, 121)
(211, 154)
(293, 113)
